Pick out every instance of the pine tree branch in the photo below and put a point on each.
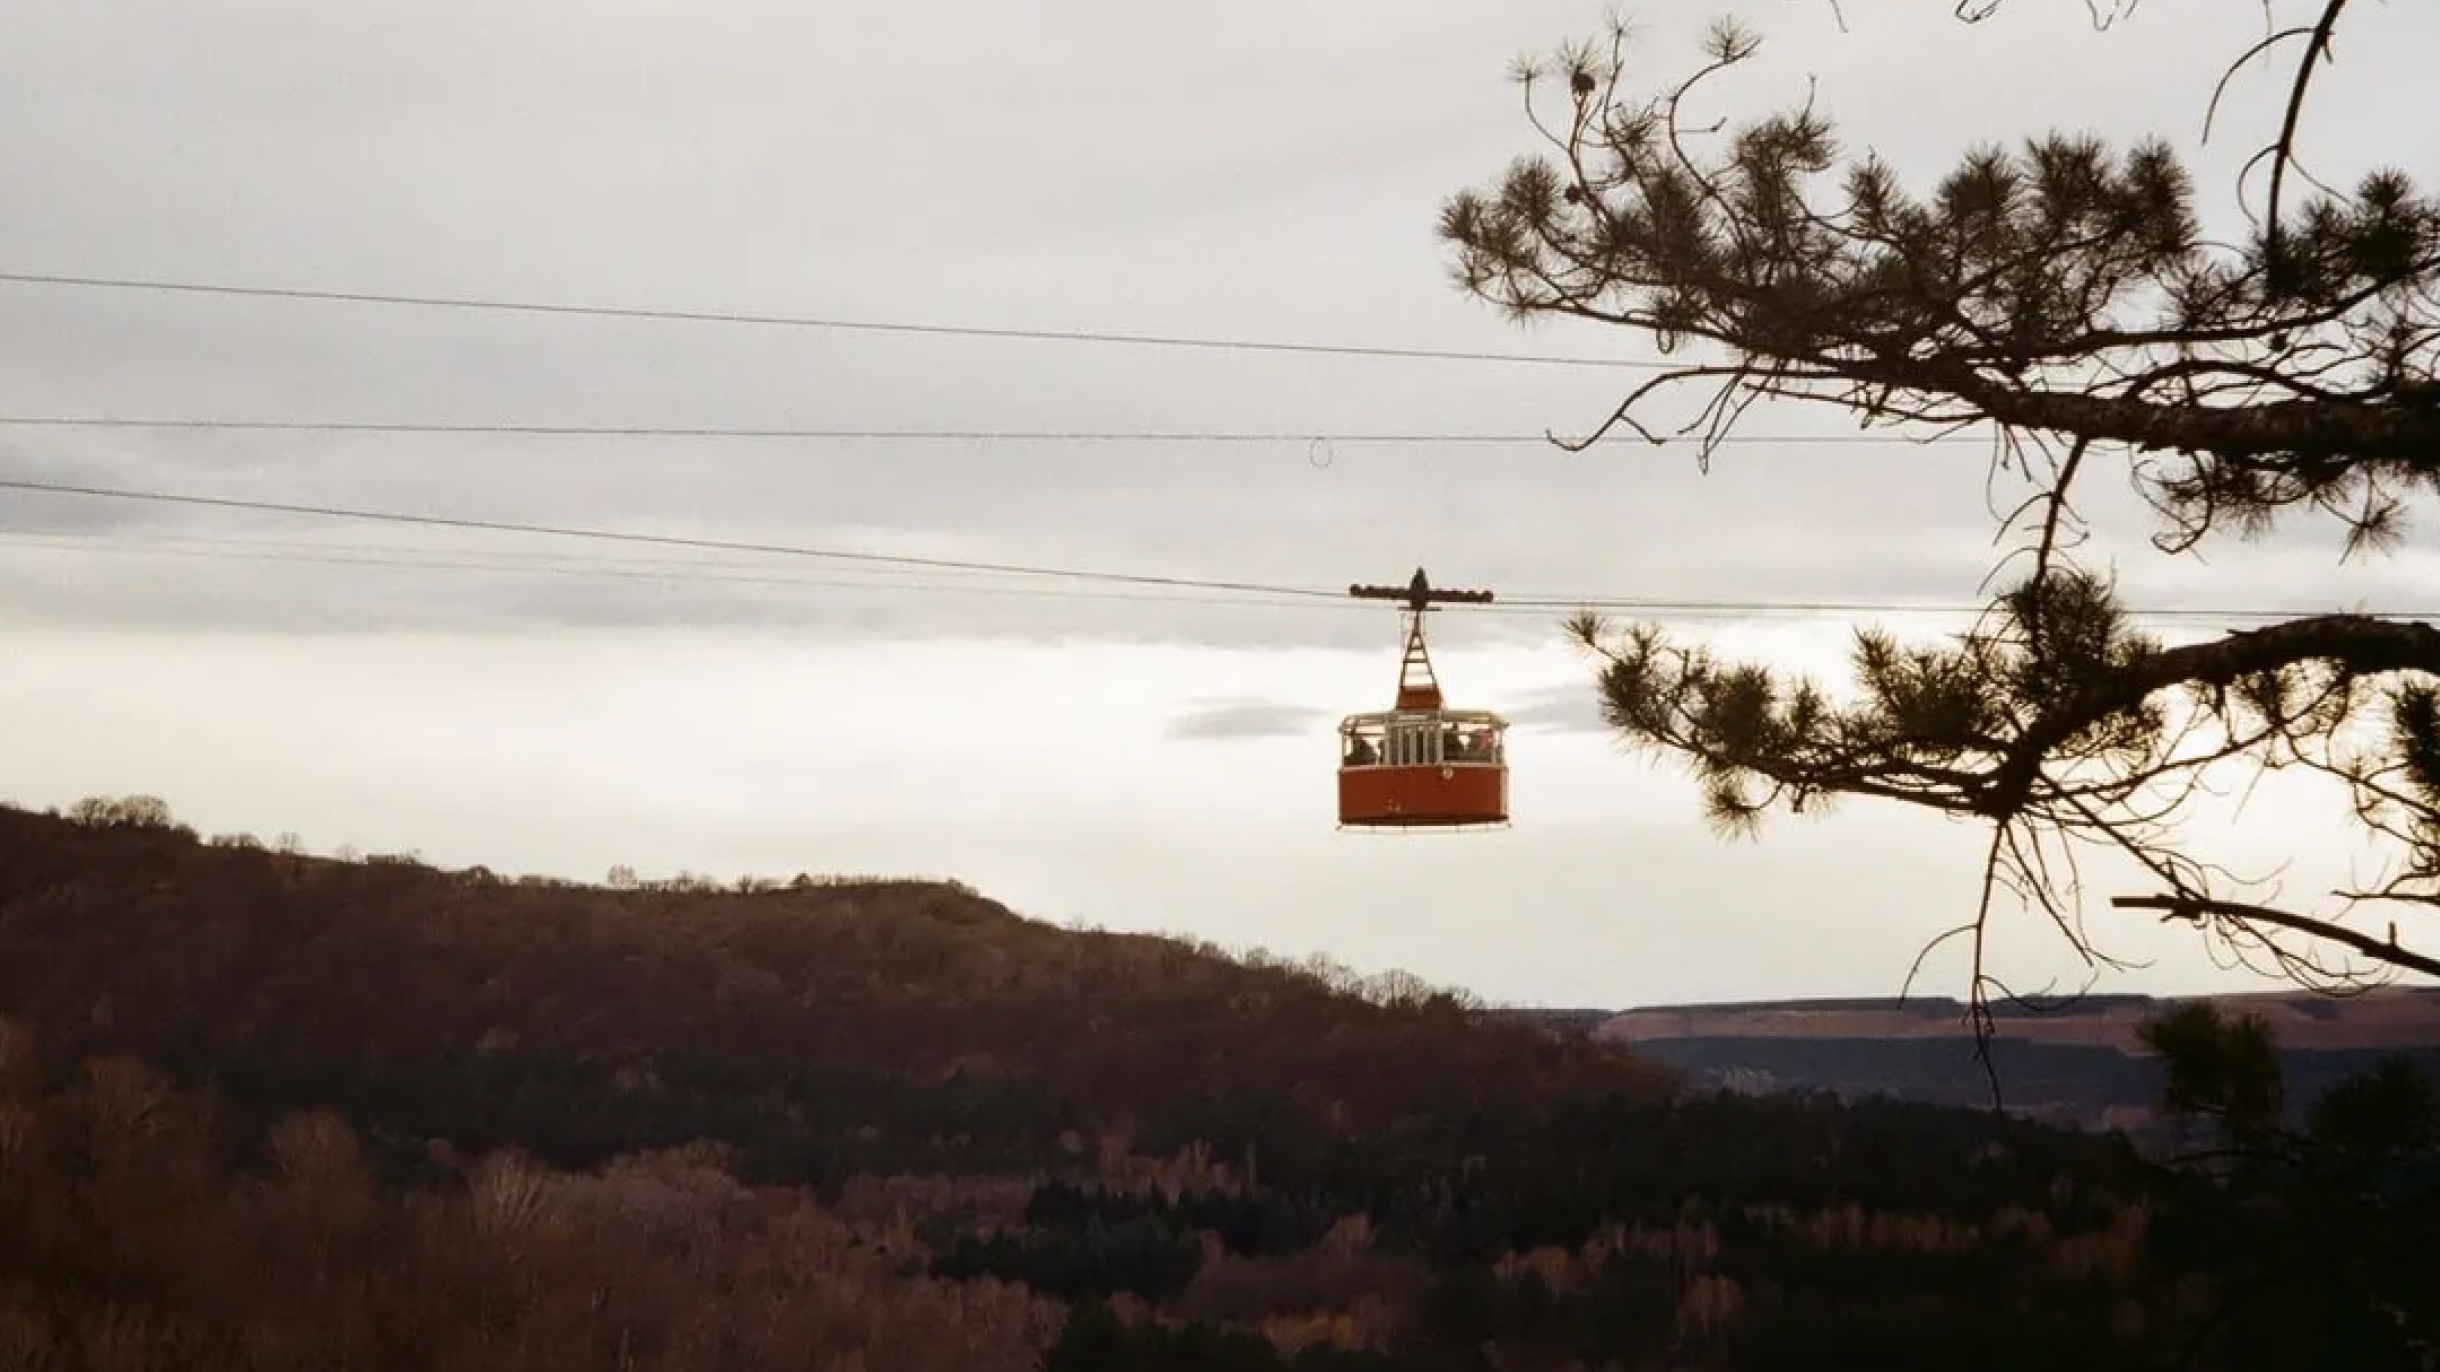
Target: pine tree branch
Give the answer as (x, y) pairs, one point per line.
(2407, 435)
(2283, 151)
(2065, 291)
(2361, 644)
(2200, 908)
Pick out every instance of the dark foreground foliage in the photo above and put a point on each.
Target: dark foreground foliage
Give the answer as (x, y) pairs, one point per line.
(259, 1110)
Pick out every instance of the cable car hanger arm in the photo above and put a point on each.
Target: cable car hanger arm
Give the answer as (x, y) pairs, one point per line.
(1420, 594)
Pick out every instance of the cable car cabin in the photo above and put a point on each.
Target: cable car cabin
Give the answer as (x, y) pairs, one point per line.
(1419, 764)
(1423, 769)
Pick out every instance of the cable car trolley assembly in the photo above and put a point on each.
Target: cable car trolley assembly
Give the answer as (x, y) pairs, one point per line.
(1421, 765)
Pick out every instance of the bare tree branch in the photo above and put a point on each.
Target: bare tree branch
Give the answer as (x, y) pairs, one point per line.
(2199, 909)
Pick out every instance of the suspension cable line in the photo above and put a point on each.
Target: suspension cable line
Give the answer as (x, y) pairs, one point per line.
(698, 316)
(1213, 591)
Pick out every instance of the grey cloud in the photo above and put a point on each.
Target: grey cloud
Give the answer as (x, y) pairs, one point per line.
(73, 463)
(26, 516)
(1247, 718)
(1288, 193)
(516, 584)
(1574, 708)
(1073, 164)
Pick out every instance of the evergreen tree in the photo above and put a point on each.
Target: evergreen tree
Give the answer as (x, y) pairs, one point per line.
(2307, 1234)
(2064, 295)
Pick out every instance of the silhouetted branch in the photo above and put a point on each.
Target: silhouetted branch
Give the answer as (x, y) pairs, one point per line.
(2200, 909)
(2359, 644)
(2065, 295)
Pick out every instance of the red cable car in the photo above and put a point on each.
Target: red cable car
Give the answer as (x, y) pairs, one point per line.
(1421, 765)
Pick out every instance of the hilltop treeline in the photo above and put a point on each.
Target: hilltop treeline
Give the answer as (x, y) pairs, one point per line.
(822, 1031)
(259, 1109)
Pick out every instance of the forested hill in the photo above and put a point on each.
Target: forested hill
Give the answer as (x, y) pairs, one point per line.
(262, 1110)
(792, 1022)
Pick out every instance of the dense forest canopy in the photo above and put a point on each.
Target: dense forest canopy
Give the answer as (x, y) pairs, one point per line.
(2063, 297)
(261, 1110)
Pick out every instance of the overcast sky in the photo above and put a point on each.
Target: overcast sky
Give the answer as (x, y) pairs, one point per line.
(1083, 752)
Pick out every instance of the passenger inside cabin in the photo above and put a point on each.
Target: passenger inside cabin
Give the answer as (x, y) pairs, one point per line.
(1360, 752)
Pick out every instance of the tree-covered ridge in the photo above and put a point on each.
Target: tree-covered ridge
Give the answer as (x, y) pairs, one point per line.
(454, 1121)
(812, 1028)
(126, 1198)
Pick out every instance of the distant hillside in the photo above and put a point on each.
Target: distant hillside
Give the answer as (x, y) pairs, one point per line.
(2081, 1063)
(820, 1029)
(2388, 1017)
(263, 1110)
